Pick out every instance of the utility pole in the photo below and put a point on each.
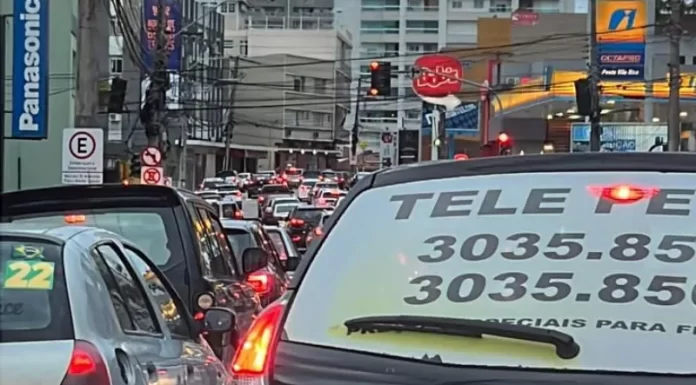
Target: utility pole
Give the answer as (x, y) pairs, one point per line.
(159, 81)
(87, 95)
(356, 127)
(230, 116)
(595, 125)
(673, 121)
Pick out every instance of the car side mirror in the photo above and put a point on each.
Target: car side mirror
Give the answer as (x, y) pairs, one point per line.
(254, 259)
(291, 263)
(219, 320)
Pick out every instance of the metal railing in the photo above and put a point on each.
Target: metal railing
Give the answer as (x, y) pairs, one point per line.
(380, 8)
(292, 22)
(380, 31)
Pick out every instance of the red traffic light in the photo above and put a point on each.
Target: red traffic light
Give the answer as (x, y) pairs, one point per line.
(374, 66)
(503, 138)
(374, 91)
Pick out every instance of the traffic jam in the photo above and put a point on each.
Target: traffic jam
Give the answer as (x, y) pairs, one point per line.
(500, 270)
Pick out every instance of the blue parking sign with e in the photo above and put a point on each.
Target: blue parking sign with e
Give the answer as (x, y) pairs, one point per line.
(30, 69)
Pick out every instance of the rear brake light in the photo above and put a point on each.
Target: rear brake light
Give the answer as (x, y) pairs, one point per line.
(296, 222)
(260, 282)
(318, 231)
(624, 193)
(254, 356)
(260, 199)
(86, 367)
(239, 215)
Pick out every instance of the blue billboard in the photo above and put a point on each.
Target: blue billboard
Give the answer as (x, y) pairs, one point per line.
(462, 121)
(30, 69)
(622, 61)
(172, 18)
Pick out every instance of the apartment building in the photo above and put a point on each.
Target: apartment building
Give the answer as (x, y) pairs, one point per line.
(404, 29)
(293, 82)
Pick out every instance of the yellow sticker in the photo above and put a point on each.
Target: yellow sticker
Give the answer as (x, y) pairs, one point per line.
(28, 275)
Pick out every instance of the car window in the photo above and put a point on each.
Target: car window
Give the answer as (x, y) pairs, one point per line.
(219, 266)
(311, 216)
(240, 240)
(275, 189)
(33, 297)
(328, 174)
(329, 186)
(309, 183)
(268, 243)
(154, 230)
(227, 252)
(130, 295)
(278, 243)
(204, 247)
(228, 209)
(171, 310)
(606, 257)
(284, 208)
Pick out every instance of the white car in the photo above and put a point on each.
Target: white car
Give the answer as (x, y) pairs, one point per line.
(211, 183)
(304, 190)
(323, 185)
(328, 197)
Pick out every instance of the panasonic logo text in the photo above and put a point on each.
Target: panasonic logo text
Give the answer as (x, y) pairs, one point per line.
(30, 51)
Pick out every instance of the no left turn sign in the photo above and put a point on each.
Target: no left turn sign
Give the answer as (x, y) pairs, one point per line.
(151, 156)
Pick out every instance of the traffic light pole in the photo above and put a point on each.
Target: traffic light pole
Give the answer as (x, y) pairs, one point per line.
(356, 127)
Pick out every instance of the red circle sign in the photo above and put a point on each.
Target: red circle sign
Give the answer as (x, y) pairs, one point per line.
(151, 176)
(461, 157)
(82, 145)
(438, 75)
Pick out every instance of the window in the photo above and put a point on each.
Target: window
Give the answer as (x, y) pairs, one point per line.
(298, 84)
(126, 293)
(227, 253)
(320, 86)
(218, 266)
(174, 318)
(116, 65)
(456, 4)
(244, 48)
(478, 3)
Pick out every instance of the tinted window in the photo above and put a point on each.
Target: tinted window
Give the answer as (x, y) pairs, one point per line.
(228, 209)
(117, 299)
(275, 189)
(33, 297)
(153, 230)
(210, 185)
(284, 208)
(278, 243)
(219, 267)
(174, 317)
(240, 239)
(131, 292)
(310, 174)
(563, 250)
(294, 171)
(228, 188)
(309, 183)
(225, 247)
(330, 186)
(329, 174)
(308, 215)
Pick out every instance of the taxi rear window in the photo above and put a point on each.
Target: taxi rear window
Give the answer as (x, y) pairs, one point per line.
(33, 297)
(608, 258)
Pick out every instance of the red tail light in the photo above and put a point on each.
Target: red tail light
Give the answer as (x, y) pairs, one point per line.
(239, 194)
(624, 193)
(87, 367)
(296, 222)
(255, 354)
(321, 177)
(261, 282)
(239, 215)
(261, 199)
(318, 231)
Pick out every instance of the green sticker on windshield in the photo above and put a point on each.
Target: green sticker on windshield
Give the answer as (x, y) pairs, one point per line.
(27, 252)
(28, 275)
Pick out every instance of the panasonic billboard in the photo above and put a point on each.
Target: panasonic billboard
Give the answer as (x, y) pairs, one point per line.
(30, 70)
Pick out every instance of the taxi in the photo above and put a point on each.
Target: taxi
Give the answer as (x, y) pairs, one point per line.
(552, 269)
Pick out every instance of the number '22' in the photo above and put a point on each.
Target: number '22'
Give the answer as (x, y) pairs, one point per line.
(36, 275)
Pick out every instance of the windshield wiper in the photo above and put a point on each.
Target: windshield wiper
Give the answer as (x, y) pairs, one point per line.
(566, 347)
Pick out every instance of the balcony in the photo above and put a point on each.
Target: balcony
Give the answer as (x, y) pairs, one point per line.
(291, 22)
(380, 8)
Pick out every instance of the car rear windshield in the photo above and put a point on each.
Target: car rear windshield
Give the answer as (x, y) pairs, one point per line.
(294, 171)
(309, 183)
(285, 208)
(327, 185)
(228, 209)
(227, 188)
(606, 257)
(153, 230)
(275, 189)
(328, 174)
(210, 185)
(33, 297)
(240, 239)
(310, 216)
(310, 174)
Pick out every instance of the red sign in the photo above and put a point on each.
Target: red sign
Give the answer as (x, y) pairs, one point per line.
(524, 17)
(438, 75)
(461, 157)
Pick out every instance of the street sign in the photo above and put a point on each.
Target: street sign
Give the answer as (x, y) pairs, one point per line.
(151, 157)
(152, 175)
(83, 156)
(524, 17)
(387, 150)
(438, 75)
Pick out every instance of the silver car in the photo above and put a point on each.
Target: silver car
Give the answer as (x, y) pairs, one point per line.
(78, 308)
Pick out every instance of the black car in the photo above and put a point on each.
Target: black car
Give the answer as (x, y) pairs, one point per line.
(177, 230)
(271, 281)
(301, 221)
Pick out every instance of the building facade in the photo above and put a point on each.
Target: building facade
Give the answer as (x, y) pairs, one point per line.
(38, 163)
(291, 86)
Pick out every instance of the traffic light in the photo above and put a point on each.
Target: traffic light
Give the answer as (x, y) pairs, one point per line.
(380, 78)
(504, 144)
(135, 166)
